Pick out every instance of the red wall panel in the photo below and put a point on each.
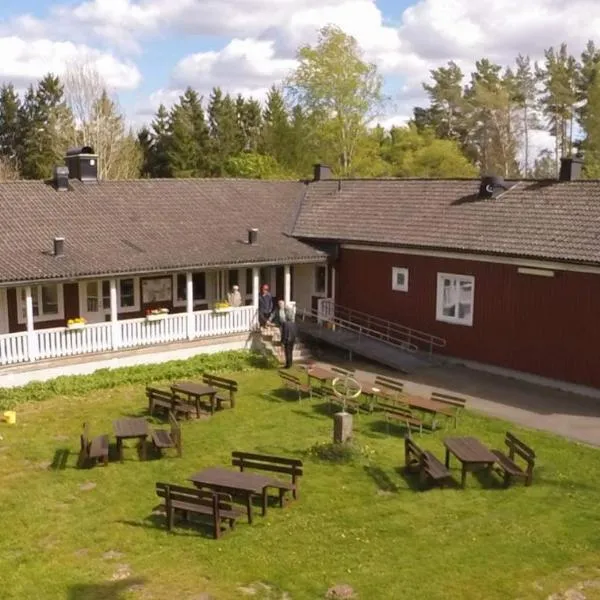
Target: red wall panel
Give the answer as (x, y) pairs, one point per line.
(549, 326)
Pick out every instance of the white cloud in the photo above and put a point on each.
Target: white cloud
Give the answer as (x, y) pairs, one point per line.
(24, 62)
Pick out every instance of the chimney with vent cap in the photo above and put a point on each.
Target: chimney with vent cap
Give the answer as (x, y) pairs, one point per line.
(571, 167)
(252, 236)
(59, 246)
(83, 164)
(321, 172)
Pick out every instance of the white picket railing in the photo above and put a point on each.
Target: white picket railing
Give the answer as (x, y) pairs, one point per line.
(98, 337)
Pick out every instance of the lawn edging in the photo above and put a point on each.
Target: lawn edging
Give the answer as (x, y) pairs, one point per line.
(79, 385)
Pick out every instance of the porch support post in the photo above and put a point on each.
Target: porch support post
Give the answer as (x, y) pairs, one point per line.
(114, 315)
(287, 284)
(332, 290)
(31, 337)
(189, 306)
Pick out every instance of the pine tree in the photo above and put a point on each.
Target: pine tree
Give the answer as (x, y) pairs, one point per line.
(182, 145)
(249, 122)
(276, 131)
(191, 103)
(524, 96)
(10, 104)
(585, 78)
(159, 158)
(591, 126)
(225, 137)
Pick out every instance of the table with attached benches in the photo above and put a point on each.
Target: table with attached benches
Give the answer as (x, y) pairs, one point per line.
(472, 454)
(235, 483)
(126, 429)
(195, 392)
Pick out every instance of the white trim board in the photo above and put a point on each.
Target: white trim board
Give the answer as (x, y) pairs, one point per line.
(520, 262)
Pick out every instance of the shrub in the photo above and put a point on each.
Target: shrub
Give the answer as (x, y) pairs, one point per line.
(79, 385)
(348, 452)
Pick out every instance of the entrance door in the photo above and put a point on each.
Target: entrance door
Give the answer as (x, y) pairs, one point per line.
(3, 311)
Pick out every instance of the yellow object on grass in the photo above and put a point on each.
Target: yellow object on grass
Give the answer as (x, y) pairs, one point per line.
(10, 416)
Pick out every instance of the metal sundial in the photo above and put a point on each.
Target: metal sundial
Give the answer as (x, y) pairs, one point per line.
(346, 388)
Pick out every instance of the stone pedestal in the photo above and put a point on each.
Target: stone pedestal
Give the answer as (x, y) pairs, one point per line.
(342, 427)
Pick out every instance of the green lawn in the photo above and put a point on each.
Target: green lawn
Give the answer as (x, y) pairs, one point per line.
(360, 524)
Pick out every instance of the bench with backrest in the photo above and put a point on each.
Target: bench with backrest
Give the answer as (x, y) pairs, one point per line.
(506, 462)
(272, 464)
(354, 404)
(389, 389)
(400, 414)
(455, 403)
(184, 500)
(425, 463)
(293, 382)
(342, 371)
(227, 389)
(167, 401)
(93, 449)
(164, 438)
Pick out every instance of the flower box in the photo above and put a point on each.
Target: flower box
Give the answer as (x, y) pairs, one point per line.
(75, 325)
(156, 317)
(222, 310)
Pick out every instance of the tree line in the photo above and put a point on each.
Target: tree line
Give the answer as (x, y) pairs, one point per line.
(325, 111)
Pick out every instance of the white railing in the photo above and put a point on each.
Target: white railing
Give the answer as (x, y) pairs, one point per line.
(132, 333)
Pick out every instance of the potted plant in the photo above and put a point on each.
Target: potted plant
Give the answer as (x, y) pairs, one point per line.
(156, 314)
(78, 323)
(221, 307)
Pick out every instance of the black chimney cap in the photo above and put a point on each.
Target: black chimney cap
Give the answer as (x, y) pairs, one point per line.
(491, 186)
(571, 167)
(80, 150)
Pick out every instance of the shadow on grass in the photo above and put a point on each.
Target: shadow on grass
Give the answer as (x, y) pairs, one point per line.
(301, 413)
(383, 427)
(114, 590)
(60, 460)
(192, 527)
(281, 395)
(381, 478)
(324, 408)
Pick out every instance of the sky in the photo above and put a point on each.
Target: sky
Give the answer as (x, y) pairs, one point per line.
(148, 51)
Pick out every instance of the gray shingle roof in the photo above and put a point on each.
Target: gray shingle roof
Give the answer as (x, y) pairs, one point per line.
(548, 220)
(145, 225)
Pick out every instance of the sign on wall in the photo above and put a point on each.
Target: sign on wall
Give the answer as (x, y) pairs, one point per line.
(157, 290)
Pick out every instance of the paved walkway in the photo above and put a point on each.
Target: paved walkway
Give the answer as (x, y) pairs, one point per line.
(571, 415)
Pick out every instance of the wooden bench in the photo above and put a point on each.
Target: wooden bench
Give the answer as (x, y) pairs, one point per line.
(456, 403)
(400, 414)
(163, 438)
(425, 463)
(228, 388)
(184, 500)
(389, 388)
(293, 382)
(93, 449)
(342, 371)
(272, 464)
(167, 401)
(506, 464)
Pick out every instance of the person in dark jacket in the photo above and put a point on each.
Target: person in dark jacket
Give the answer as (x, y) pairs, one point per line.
(289, 333)
(265, 305)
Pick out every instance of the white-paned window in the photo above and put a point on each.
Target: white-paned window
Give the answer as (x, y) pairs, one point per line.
(95, 296)
(48, 304)
(455, 298)
(180, 288)
(400, 279)
(320, 281)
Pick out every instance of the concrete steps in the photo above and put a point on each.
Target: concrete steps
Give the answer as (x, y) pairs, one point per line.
(271, 343)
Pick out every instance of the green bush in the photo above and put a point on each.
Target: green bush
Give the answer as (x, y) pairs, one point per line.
(79, 385)
(348, 452)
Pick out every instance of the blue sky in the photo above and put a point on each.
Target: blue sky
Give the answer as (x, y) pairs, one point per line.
(147, 51)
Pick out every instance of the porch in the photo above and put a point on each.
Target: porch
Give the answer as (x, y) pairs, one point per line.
(116, 310)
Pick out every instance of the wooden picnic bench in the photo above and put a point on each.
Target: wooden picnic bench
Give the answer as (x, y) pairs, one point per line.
(506, 465)
(164, 438)
(195, 392)
(454, 403)
(425, 463)
(93, 449)
(184, 500)
(167, 401)
(226, 389)
(472, 454)
(400, 414)
(272, 464)
(388, 388)
(293, 382)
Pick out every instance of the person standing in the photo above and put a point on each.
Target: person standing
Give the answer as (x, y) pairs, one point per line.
(265, 305)
(289, 333)
(234, 297)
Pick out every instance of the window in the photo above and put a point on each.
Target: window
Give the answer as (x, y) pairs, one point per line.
(47, 303)
(95, 296)
(233, 278)
(321, 280)
(199, 282)
(455, 297)
(126, 293)
(400, 279)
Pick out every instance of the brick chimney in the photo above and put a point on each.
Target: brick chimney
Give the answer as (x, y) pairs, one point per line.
(571, 167)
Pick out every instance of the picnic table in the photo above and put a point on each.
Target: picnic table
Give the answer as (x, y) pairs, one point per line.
(470, 452)
(235, 483)
(126, 429)
(195, 392)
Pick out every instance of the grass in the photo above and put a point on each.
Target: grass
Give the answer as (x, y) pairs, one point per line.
(359, 523)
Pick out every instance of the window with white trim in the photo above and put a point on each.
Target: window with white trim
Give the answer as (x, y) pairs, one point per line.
(320, 280)
(96, 295)
(400, 279)
(180, 288)
(47, 300)
(455, 298)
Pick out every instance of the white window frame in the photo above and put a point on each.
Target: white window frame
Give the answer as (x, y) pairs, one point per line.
(440, 316)
(395, 272)
(320, 294)
(41, 317)
(177, 302)
(83, 311)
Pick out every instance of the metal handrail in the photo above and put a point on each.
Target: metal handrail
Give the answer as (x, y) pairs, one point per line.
(362, 330)
(412, 336)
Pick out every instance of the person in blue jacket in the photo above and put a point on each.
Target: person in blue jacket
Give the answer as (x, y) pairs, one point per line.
(265, 305)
